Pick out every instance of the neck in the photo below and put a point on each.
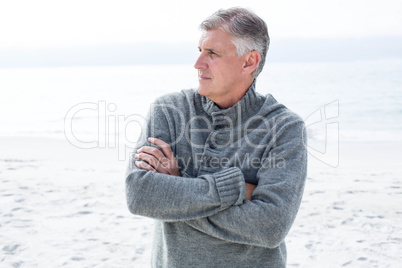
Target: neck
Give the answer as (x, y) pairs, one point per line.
(235, 97)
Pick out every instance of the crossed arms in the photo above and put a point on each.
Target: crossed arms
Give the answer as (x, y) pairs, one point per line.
(221, 204)
(156, 161)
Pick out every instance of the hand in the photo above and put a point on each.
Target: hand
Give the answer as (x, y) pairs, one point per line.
(249, 190)
(157, 161)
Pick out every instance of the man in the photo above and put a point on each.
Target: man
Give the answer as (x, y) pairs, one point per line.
(221, 169)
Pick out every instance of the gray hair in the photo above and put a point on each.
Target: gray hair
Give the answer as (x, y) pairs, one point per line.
(249, 31)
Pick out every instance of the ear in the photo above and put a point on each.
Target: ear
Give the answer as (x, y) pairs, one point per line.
(251, 62)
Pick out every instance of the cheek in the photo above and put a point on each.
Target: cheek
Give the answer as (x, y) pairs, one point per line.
(224, 70)
(234, 66)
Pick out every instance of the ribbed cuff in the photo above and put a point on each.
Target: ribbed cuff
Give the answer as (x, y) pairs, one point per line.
(231, 187)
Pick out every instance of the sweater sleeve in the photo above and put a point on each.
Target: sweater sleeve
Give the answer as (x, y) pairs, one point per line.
(266, 220)
(174, 198)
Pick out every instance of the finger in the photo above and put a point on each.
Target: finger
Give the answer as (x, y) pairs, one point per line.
(143, 165)
(150, 159)
(160, 165)
(163, 145)
(152, 151)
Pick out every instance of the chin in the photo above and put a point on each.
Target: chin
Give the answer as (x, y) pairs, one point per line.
(203, 91)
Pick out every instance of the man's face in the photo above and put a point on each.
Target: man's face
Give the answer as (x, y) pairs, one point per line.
(219, 69)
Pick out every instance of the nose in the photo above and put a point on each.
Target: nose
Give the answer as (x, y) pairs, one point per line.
(200, 63)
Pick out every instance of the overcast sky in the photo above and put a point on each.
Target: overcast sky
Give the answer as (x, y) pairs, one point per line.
(77, 23)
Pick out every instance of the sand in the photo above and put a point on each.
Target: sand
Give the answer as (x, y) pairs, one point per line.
(351, 215)
(65, 207)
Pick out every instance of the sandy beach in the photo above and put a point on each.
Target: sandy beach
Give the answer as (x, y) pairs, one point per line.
(65, 207)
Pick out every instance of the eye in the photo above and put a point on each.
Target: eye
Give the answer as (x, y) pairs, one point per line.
(211, 53)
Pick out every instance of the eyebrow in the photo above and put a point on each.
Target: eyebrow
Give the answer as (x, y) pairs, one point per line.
(210, 50)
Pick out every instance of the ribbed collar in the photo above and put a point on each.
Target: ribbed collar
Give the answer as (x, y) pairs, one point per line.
(248, 106)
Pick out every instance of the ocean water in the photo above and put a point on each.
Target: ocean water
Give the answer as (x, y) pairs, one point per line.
(106, 105)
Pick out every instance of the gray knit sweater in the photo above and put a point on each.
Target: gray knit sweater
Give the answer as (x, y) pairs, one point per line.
(202, 219)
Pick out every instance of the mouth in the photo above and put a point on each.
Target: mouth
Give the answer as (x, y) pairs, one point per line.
(203, 77)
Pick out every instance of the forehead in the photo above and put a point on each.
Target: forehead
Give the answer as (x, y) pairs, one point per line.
(217, 39)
